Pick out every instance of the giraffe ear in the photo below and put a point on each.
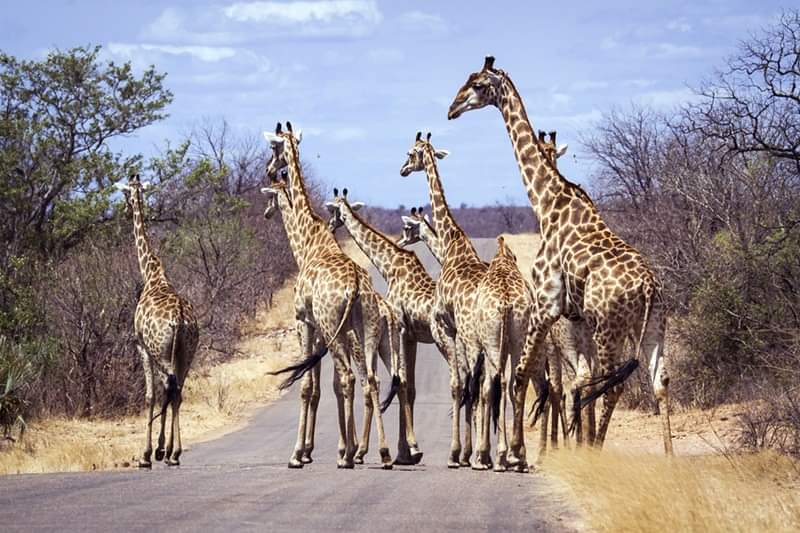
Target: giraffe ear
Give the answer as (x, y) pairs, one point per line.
(355, 206)
(146, 185)
(272, 138)
(269, 191)
(121, 186)
(427, 218)
(441, 154)
(561, 150)
(331, 207)
(299, 136)
(408, 221)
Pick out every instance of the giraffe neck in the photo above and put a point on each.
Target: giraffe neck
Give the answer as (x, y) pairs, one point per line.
(308, 233)
(541, 179)
(449, 235)
(149, 265)
(375, 245)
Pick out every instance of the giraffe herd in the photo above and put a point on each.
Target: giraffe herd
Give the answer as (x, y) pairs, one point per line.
(590, 294)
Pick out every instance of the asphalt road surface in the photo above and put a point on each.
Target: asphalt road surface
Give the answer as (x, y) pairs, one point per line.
(241, 482)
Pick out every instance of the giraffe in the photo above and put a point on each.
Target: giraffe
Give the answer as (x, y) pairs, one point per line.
(411, 294)
(582, 268)
(480, 332)
(166, 334)
(417, 227)
(334, 300)
(571, 344)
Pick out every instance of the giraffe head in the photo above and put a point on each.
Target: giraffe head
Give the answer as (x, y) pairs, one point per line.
(482, 88)
(277, 195)
(416, 227)
(551, 149)
(415, 160)
(278, 142)
(503, 251)
(133, 191)
(340, 208)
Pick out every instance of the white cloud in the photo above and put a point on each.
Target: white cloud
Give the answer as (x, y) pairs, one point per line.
(348, 133)
(610, 42)
(304, 12)
(679, 25)
(670, 50)
(247, 22)
(589, 85)
(423, 22)
(386, 55)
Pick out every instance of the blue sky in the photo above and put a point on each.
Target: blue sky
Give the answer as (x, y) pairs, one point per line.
(360, 77)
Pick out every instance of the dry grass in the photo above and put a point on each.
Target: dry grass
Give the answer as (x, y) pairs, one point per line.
(626, 492)
(525, 246)
(217, 400)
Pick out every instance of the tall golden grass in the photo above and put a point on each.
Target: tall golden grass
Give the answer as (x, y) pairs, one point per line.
(626, 492)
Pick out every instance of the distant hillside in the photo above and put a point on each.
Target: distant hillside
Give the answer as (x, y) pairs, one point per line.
(488, 221)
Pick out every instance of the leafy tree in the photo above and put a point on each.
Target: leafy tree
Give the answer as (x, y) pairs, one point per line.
(57, 116)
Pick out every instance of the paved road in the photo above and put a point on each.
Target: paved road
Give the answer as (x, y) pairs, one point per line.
(240, 481)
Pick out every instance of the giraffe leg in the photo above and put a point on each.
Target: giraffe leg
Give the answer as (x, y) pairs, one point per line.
(145, 461)
(483, 426)
(469, 415)
(556, 392)
(373, 333)
(501, 464)
(653, 347)
(531, 363)
(345, 396)
(456, 393)
(312, 415)
(174, 453)
(408, 452)
(363, 445)
(339, 394)
(306, 336)
(609, 348)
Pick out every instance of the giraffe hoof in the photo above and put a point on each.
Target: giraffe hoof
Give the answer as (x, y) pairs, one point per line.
(480, 466)
(306, 459)
(145, 465)
(500, 467)
(172, 462)
(404, 460)
(345, 464)
(453, 464)
(465, 463)
(294, 463)
(160, 454)
(416, 456)
(521, 468)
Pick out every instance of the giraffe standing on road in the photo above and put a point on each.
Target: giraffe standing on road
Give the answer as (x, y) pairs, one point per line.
(334, 301)
(583, 270)
(479, 336)
(166, 334)
(411, 294)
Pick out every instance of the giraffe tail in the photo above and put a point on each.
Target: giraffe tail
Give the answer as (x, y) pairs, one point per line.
(395, 387)
(474, 381)
(649, 291)
(298, 370)
(541, 399)
(171, 391)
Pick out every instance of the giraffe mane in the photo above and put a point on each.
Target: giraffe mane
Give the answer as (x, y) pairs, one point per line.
(380, 234)
(524, 112)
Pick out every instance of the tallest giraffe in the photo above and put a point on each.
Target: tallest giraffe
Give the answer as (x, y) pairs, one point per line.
(582, 269)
